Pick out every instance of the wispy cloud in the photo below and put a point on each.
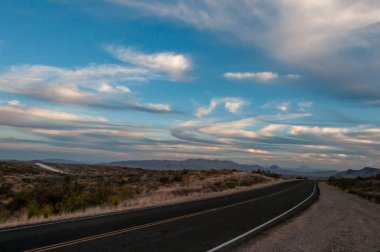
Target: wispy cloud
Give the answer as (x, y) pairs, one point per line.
(95, 85)
(325, 37)
(231, 104)
(280, 26)
(266, 138)
(261, 76)
(22, 116)
(174, 64)
(288, 106)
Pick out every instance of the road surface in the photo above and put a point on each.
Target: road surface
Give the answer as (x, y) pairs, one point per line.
(191, 226)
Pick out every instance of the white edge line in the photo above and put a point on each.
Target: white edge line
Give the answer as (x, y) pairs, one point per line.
(262, 225)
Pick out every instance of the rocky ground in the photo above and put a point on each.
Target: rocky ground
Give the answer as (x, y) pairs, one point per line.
(338, 221)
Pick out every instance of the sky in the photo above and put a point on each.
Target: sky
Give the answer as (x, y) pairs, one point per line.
(281, 82)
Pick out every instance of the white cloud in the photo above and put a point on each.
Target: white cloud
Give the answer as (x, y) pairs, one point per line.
(283, 107)
(280, 106)
(234, 106)
(159, 107)
(17, 112)
(290, 29)
(94, 85)
(288, 106)
(107, 88)
(256, 151)
(270, 129)
(202, 111)
(231, 104)
(335, 39)
(304, 130)
(14, 103)
(260, 76)
(169, 62)
(263, 77)
(66, 85)
(232, 129)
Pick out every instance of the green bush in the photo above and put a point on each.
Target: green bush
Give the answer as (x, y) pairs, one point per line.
(32, 209)
(246, 183)
(368, 188)
(231, 183)
(164, 180)
(46, 210)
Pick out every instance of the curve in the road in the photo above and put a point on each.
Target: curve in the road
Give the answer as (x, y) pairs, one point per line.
(192, 226)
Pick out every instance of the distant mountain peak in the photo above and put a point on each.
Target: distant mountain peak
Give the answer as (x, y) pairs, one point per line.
(192, 163)
(364, 172)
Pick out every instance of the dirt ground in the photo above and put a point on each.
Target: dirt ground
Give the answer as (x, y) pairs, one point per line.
(338, 221)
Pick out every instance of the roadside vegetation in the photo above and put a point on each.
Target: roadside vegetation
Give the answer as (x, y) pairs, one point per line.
(368, 187)
(27, 191)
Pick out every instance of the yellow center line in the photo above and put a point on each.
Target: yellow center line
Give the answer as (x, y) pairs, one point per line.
(129, 229)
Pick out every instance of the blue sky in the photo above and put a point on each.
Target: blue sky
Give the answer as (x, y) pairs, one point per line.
(267, 82)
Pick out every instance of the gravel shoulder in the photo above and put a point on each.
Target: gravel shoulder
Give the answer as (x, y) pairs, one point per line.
(338, 221)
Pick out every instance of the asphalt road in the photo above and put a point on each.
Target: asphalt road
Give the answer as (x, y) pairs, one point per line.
(192, 226)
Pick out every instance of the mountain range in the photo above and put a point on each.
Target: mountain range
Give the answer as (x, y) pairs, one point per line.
(200, 164)
(365, 172)
(195, 164)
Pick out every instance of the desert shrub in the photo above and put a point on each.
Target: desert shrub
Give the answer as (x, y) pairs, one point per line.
(123, 193)
(275, 175)
(26, 180)
(46, 210)
(184, 171)
(246, 183)
(115, 200)
(342, 183)
(4, 213)
(18, 202)
(177, 178)
(368, 188)
(127, 192)
(199, 174)
(231, 183)
(5, 189)
(164, 180)
(212, 172)
(217, 186)
(32, 209)
(72, 203)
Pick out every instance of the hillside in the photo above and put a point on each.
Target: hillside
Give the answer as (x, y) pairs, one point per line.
(365, 172)
(29, 190)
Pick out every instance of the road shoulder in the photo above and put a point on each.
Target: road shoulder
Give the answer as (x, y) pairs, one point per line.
(338, 221)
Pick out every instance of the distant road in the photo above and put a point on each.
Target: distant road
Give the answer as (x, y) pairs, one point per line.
(49, 168)
(203, 225)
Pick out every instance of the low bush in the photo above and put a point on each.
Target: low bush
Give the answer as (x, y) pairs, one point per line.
(246, 183)
(368, 188)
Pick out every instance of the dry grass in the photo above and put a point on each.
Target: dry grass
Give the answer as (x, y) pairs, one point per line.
(368, 187)
(29, 194)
